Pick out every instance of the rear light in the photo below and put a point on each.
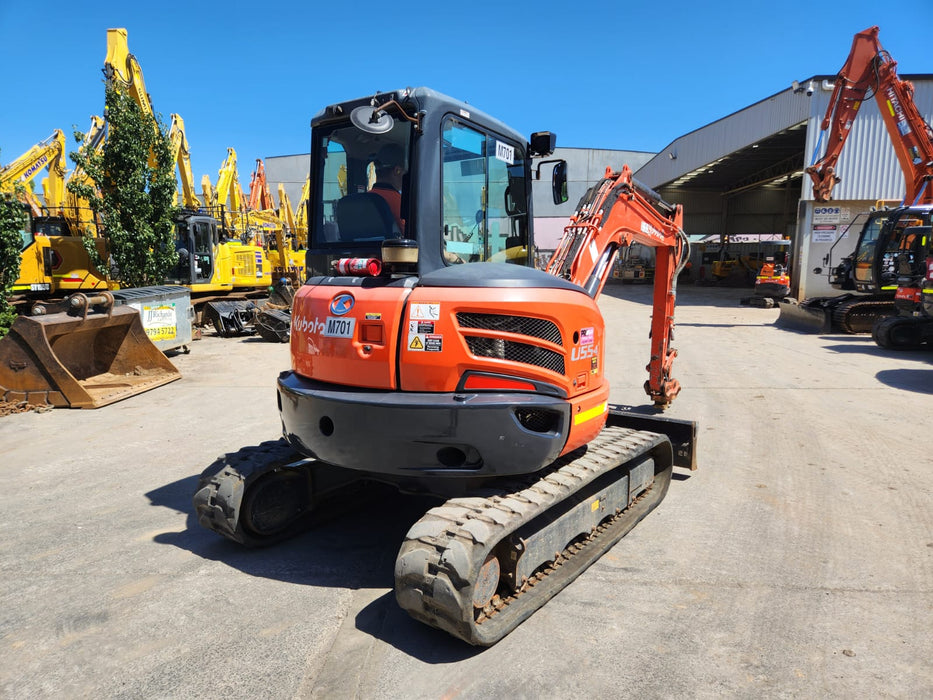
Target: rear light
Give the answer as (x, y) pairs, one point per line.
(473, 380)
(480, 382)
(372, 333)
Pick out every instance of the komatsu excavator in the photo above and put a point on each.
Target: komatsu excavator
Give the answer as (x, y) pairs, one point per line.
(420, 359)
(868, 271)
(35, 272)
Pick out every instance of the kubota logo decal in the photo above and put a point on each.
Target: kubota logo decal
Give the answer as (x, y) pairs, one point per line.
(341, 304)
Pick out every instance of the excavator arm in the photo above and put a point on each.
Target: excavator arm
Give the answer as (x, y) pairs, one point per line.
(228, 183)
(870, 67)
(301, 215)
(122, 70)
(617, 212)
(260, 197)
(48, 154)
(182, 157)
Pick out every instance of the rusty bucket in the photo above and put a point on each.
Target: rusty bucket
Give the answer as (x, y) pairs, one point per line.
(86, 353)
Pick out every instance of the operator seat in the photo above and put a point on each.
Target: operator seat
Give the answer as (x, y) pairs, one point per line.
(365, 216)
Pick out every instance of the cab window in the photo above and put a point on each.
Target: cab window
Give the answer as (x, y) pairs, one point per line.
(364, 195)
(484, 203)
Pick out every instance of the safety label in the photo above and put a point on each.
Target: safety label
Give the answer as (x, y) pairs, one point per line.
(425, 312)
(425, 343)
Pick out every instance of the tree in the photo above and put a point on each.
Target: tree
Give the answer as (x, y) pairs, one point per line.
(135, 194)
(12, 223)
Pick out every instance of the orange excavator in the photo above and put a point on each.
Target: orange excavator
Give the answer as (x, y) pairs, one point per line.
(429, 353)
(872, 271)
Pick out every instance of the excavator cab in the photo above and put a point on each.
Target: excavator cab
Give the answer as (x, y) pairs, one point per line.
(878, 260)
(365, 170)
(196, 239)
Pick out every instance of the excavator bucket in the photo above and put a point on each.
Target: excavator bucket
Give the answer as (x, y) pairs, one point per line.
(87, 356)
(804, 316)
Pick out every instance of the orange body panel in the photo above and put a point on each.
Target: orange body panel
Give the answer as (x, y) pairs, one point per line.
(356, 337)
(354, 347)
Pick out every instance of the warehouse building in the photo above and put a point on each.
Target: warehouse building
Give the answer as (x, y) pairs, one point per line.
(742, 177)
(742, 183)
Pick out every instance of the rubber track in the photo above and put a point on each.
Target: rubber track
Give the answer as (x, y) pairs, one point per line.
(222, 485)
(858, 316)
(443, 552)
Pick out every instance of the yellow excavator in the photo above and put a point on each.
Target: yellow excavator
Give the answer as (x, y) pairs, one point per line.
(16, 179)
(277, 223)
(85, 351)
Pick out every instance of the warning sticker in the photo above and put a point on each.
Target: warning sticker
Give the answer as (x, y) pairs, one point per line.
(421, 327)
(425, 312)
(425, 343)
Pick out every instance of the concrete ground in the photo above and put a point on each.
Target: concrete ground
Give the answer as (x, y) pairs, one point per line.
(796, 562)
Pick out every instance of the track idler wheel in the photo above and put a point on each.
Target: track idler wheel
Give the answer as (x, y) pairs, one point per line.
(487, 582)
(256, 496)
(898, 333)
(274, 502)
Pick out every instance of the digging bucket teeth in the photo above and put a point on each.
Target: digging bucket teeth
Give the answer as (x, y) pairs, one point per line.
(88, 355)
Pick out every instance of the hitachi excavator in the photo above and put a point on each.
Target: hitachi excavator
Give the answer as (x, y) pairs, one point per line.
(910, 266)
(869, 272)
(422, 360)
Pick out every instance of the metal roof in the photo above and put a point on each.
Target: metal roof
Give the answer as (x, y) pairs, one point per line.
(773, 140)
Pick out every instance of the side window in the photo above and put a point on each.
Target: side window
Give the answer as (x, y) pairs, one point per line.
(335, 186)
(507, 207)
(463, 200)
(484, 206)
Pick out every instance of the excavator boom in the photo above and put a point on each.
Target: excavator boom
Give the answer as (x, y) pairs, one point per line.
(617, 212)
(870, 67)
(48, 154)
(181, 156)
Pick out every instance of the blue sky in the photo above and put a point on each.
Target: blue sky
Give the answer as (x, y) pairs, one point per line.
(631, 76)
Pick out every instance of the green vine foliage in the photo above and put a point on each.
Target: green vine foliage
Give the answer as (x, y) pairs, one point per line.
(12, 223)
(135, 198)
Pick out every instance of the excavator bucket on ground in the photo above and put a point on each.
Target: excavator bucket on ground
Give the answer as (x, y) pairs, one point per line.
(87, 355)
(804, 316)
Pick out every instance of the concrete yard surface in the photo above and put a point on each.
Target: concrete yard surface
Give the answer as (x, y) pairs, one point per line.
(797, 561)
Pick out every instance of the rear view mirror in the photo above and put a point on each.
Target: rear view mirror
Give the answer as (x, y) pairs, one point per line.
(559, 182)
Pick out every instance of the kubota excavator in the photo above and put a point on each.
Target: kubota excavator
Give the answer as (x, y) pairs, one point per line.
(420, 360)
(868, 270)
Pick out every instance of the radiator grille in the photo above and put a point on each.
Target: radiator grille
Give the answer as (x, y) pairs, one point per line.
(522, 325)
(516, 352)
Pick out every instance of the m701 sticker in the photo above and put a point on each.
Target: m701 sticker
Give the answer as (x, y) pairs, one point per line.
(339, 327)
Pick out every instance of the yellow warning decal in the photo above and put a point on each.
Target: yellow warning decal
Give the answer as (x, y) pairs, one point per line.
(594, 412)
(416, 343)
(595, 505)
